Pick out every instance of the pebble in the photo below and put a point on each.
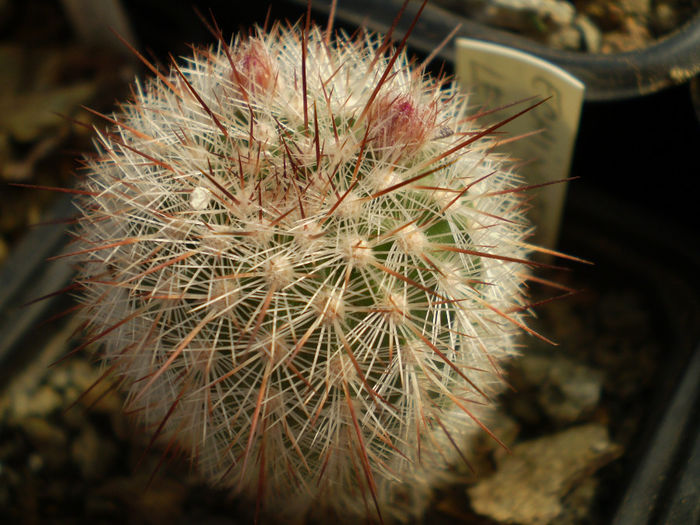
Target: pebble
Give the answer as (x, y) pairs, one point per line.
(527, 15)
(82, 374)
(49, 441)
(665, 18)
(60, 376)
(91, 395)
(92, 455)
(554, 389)
(39, 403)
(634, 35)
(572, 390)
(590, 34)
(529, 485)
(576, 504)
(638, 8)
(534, 368)
(506, 429)
(603, 26)
(565, 38)
(35, 462)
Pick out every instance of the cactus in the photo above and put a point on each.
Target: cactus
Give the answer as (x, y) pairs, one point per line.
(304, 263)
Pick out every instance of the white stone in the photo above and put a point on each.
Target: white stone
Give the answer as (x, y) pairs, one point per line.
(200, 198)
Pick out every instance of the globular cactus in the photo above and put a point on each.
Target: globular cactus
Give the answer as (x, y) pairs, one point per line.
(304, 262)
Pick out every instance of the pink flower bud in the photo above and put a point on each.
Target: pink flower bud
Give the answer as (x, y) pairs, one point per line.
(253, 72)
(402, 123)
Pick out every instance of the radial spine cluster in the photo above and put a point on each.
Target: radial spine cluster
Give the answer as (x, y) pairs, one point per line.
(304, 263)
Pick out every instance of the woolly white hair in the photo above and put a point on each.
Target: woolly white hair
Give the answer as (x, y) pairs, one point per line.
(304, 262)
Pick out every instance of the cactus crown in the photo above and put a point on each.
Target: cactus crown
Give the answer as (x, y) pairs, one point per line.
(304, 262)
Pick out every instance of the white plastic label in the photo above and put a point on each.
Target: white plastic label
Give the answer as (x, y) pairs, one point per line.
(494, 75)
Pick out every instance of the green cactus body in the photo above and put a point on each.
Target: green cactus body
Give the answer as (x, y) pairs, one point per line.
(305, 269)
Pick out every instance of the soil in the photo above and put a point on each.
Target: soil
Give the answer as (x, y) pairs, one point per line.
(595, 26)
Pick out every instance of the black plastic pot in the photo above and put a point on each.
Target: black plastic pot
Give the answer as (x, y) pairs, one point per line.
(661, 485)
(670, 61)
